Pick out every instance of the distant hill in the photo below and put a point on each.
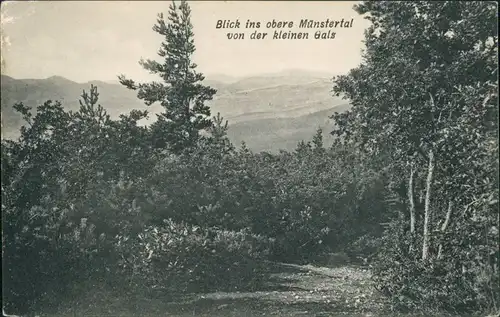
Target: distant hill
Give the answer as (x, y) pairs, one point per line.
(273, 134)
(33, 92)
(269, 112)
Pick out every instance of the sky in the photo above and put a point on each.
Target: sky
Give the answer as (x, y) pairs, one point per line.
(94, 40)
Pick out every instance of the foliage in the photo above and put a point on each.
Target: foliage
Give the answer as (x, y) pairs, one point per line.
(53, 179)
(424, 102)
(181, 93)
(177, 257)
(463, 281)
(104, 194)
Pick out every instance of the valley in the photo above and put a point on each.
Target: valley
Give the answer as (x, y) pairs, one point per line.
(270, 112)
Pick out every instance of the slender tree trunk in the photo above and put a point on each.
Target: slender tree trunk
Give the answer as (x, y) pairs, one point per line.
(427, 216)
(412, 205)
(411, 198)
(444, 226)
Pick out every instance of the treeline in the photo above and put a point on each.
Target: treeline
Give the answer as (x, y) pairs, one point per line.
(411, 182)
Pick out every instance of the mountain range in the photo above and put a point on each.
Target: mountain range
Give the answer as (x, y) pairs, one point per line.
(269, 112)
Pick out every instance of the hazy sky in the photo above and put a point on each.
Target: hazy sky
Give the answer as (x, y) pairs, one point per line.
(91, 40)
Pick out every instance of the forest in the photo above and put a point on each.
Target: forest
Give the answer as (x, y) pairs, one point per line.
(409, 188)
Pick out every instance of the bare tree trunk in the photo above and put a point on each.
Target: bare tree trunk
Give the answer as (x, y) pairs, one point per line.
(411, 198)
(444, 226)
(427, 216)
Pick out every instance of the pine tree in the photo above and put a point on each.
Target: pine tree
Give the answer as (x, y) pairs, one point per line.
(181, 93)
(219, 129)
(318, 139)
(303, 148)
(218, 135)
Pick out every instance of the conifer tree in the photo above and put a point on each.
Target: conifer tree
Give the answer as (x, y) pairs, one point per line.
(318, 139)
(181, 92)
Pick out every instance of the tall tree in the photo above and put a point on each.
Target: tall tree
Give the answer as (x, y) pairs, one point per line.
(425, 97)
(406, 96)
(182, 94)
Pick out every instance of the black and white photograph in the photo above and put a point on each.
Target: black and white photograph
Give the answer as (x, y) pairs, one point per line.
(250, 158)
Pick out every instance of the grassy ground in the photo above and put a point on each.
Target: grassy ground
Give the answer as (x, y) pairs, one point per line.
(291, 290)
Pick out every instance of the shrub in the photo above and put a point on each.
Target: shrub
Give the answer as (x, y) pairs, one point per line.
(463, 281)
(177, 257)
(364, 248)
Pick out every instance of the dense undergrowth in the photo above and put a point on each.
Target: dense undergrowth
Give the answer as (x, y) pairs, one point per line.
(203, 219)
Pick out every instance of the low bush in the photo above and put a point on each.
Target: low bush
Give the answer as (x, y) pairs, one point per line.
(177, 257)
(364, 248)
(462, 281)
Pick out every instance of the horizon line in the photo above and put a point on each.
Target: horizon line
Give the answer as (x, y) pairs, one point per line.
(320, 74)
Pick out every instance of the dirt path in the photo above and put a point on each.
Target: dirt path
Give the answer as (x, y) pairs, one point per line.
(306, 291)
(294, 290)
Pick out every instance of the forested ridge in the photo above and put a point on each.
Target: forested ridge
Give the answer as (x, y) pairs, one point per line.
(410, 185)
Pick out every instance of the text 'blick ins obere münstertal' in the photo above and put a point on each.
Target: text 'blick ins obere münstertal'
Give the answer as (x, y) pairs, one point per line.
(279, 32)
